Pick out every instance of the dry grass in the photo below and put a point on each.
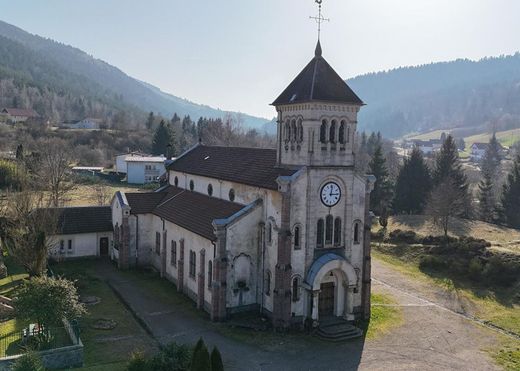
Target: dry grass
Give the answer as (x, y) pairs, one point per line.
(84, 195)
(501, 238)
(436, 134)
(506, 138)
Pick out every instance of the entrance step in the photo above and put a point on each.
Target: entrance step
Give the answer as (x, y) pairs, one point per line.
(337, 329)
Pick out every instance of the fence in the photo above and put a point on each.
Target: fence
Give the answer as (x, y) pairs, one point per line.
(33, 338)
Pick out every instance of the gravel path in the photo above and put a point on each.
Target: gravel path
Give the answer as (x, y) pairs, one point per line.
(431, 338)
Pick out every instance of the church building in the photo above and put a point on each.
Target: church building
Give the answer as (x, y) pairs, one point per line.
(284, 232)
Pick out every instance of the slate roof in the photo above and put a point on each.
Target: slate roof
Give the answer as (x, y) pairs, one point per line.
(252, 166)
(90, 219)
(318, 82)
(190, 210)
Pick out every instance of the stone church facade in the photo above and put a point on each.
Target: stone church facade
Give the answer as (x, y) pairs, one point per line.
(284, 232)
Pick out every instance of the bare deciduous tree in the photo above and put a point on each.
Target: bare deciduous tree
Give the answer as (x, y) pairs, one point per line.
(102, 194)
(27, 227)
(446, 202)
(53, 169)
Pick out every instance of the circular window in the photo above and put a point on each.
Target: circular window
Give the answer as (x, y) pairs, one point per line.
(210, 189)
(176, 181)
(192, 185)
(231, 195)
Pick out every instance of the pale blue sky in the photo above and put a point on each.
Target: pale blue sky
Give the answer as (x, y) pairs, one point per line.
(240, 54)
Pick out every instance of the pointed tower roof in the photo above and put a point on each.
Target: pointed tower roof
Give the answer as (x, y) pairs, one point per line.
(318, 82)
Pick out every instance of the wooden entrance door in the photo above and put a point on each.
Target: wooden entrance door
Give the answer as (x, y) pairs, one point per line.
(103, 246)
(326, 301)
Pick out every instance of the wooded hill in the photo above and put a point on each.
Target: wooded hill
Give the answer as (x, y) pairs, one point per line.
(84, 85)
(471, 95)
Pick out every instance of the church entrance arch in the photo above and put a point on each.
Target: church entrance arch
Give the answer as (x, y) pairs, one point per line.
(332, 280)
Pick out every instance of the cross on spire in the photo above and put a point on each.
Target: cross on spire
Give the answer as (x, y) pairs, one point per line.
(319, 19)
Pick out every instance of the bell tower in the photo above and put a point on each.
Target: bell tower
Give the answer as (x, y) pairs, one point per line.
(317, 117)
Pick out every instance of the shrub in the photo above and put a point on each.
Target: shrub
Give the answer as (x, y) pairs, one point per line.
(475, 269)
(172, 357)
(28, 362)
(138, 362)
(398, 235)
(216, 360)
(501, 272)
(200, 360)
(432, 262)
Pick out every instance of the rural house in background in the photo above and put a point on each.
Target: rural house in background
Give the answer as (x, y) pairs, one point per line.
(81, 232)
(142, 170)
(16, 115)
(121, 164)
(86, 123)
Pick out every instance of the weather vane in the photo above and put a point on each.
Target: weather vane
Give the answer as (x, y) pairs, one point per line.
(319, 19)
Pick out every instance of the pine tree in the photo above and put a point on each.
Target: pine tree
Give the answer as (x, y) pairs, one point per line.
(486, 199)
(413, 185)
(216, 360)
(163, 140)
(200, 360)
(380, 196)
(150, 121)
(510, 210)
(490, 168)
(449, 169)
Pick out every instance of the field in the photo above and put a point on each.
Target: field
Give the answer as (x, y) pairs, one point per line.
(85, 195)
(436, 134)
(501, 238)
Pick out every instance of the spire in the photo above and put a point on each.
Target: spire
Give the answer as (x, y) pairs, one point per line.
(317, 52)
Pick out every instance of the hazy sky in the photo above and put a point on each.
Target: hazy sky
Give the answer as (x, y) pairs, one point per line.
(240, 54)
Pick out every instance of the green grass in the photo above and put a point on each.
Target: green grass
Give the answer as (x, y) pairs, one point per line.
(508, 356)
(105, 349)
(383, 318)
(15, 276)
(497, 306)
(507, 138)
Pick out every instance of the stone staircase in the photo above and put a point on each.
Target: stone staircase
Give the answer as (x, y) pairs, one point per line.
(337, 329)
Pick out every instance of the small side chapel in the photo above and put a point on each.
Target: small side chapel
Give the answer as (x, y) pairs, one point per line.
(284, 232)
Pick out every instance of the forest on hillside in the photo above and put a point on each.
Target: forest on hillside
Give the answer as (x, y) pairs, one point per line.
(474, 95)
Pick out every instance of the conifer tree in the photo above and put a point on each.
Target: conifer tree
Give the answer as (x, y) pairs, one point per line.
(163, 140)
(200, 360)
(216, 360)
(449, 169)
(380, 196)
(510, 210)
(490, 168)
(413, 185)
(150, 121)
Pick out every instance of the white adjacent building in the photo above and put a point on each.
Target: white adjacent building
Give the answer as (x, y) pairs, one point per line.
(284, 232)
(142, 170)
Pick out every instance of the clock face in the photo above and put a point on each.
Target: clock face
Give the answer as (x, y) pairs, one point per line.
(330, 194)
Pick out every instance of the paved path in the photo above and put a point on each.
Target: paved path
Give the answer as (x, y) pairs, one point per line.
(431, 338)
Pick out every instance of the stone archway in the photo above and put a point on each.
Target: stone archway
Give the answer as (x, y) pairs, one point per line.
(332, 280)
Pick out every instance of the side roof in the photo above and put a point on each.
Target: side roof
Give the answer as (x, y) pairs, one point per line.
(190, 210)
(251, 166)
(85, 219)
(319, 82)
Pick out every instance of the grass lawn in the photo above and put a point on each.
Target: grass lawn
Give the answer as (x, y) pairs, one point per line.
(383, 317)
(83, 195)
(15, 276)
(105, 349)
(507, 138)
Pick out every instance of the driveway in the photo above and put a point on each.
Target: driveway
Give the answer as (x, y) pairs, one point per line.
(431, 338)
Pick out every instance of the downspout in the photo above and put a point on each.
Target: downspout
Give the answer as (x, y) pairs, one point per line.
(262, 241)
(136, 240)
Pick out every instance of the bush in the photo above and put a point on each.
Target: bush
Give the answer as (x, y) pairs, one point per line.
(28, 362)
(432, 262)
(501, 272)
(398, 235)
(138, 362)
(216, 360)
(172, 357)
(475, 269)
(200, 360)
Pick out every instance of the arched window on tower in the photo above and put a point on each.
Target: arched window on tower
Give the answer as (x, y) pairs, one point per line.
(328, 229)
(323, 132)
(337, 231)
(341, 138)
(319, 233)
(299, 138)
(293, 131)
(296, 238)
(332, 132)
(267, 283)
(286, 131)
(356, 233)
(296, 289)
